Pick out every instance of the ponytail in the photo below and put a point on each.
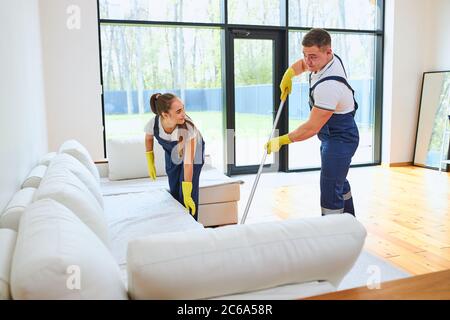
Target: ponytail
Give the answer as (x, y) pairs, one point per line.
(160, 103)
(153, 99)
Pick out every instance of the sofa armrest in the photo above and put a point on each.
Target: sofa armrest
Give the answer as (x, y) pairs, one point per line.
(242, 258)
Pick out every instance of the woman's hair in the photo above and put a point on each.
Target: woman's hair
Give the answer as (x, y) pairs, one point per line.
(160, 103)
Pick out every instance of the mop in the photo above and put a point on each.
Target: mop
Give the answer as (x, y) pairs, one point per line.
(255, 183)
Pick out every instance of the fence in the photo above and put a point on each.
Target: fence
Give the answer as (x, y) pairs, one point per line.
(255, 99)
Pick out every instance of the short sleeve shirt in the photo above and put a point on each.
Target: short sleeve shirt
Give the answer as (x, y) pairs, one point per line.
(331, 94)
(192, 132)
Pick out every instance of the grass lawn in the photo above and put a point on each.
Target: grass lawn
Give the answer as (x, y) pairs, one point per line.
(252, 132)
(210, 124)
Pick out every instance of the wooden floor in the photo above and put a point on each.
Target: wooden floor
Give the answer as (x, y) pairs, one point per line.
(430, 286)
(406, 210)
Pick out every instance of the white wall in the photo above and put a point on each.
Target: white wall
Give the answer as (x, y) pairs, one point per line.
(387, 81)
(23, 136)
(415, 42)
(406, 39)
(72, 73)
(440, 24)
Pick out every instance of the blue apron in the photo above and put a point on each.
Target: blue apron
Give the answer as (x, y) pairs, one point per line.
(339, 140)
(175, 166)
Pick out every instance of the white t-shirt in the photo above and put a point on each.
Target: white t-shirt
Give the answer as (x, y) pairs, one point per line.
(192, 132)
(331, 94)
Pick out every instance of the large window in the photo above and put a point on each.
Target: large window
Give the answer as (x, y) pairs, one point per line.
(260, 12)
(357, 52)
(202, 11)
(180, 46)
(335, 14)
(253, 97)
(139, 60)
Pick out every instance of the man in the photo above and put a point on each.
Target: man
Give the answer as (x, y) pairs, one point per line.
(333, 107)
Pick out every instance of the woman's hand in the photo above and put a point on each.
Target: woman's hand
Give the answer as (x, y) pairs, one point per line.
(151, 165)
(189, 203)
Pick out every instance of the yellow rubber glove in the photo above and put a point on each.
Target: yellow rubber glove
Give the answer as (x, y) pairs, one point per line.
(286, 83)
(186, 186)
(151, 165)
(275, 144)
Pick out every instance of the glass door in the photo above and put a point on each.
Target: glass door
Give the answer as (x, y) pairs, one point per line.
(253, 98)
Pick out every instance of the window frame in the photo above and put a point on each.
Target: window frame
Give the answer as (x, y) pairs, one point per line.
(226, 58)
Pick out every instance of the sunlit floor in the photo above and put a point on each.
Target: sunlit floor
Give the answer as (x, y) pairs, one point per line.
(405, 210)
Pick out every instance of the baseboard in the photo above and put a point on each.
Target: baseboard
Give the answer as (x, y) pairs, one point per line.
(396, 164)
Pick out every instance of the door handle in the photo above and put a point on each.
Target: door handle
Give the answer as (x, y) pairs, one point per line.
(243, 33)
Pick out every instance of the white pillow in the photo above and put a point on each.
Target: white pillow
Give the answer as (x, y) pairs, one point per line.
(7, 245)
(65, 160)
(77, 150)
(126, 158)
(34, 177)
(10, 217)
(229, 260)
(58, 257)
(47, 158)
(64, 187)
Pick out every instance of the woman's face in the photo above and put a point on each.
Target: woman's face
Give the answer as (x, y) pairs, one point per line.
(176, 114)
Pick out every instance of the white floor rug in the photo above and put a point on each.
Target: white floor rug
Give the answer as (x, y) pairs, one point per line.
(370, 270)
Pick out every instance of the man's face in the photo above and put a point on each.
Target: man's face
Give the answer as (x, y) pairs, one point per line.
(316, 58)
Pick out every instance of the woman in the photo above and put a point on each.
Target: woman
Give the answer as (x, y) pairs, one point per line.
(183, 145)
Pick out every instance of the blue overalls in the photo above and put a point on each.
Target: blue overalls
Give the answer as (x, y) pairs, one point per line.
(340, 139)
(175, 166)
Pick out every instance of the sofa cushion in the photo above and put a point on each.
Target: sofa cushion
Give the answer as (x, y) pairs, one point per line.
(58, 257)
(7, 245)
(10, 218)
(243, 258)
(61, 185)
(45, 160)
(65, 160)
(126, 158)
(136, 215)
(34, 177)
(285, 292)
(77, 150)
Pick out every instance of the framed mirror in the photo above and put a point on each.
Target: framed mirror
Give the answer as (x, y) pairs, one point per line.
(433, 128)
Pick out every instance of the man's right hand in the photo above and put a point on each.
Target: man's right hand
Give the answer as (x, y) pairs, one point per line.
(275, 144)
(151, 165)
(286, 83)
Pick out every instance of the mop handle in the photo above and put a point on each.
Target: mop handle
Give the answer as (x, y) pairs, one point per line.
(255, 183)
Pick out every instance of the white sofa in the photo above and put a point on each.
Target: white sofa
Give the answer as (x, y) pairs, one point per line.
(126, 172)
(77, 238)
